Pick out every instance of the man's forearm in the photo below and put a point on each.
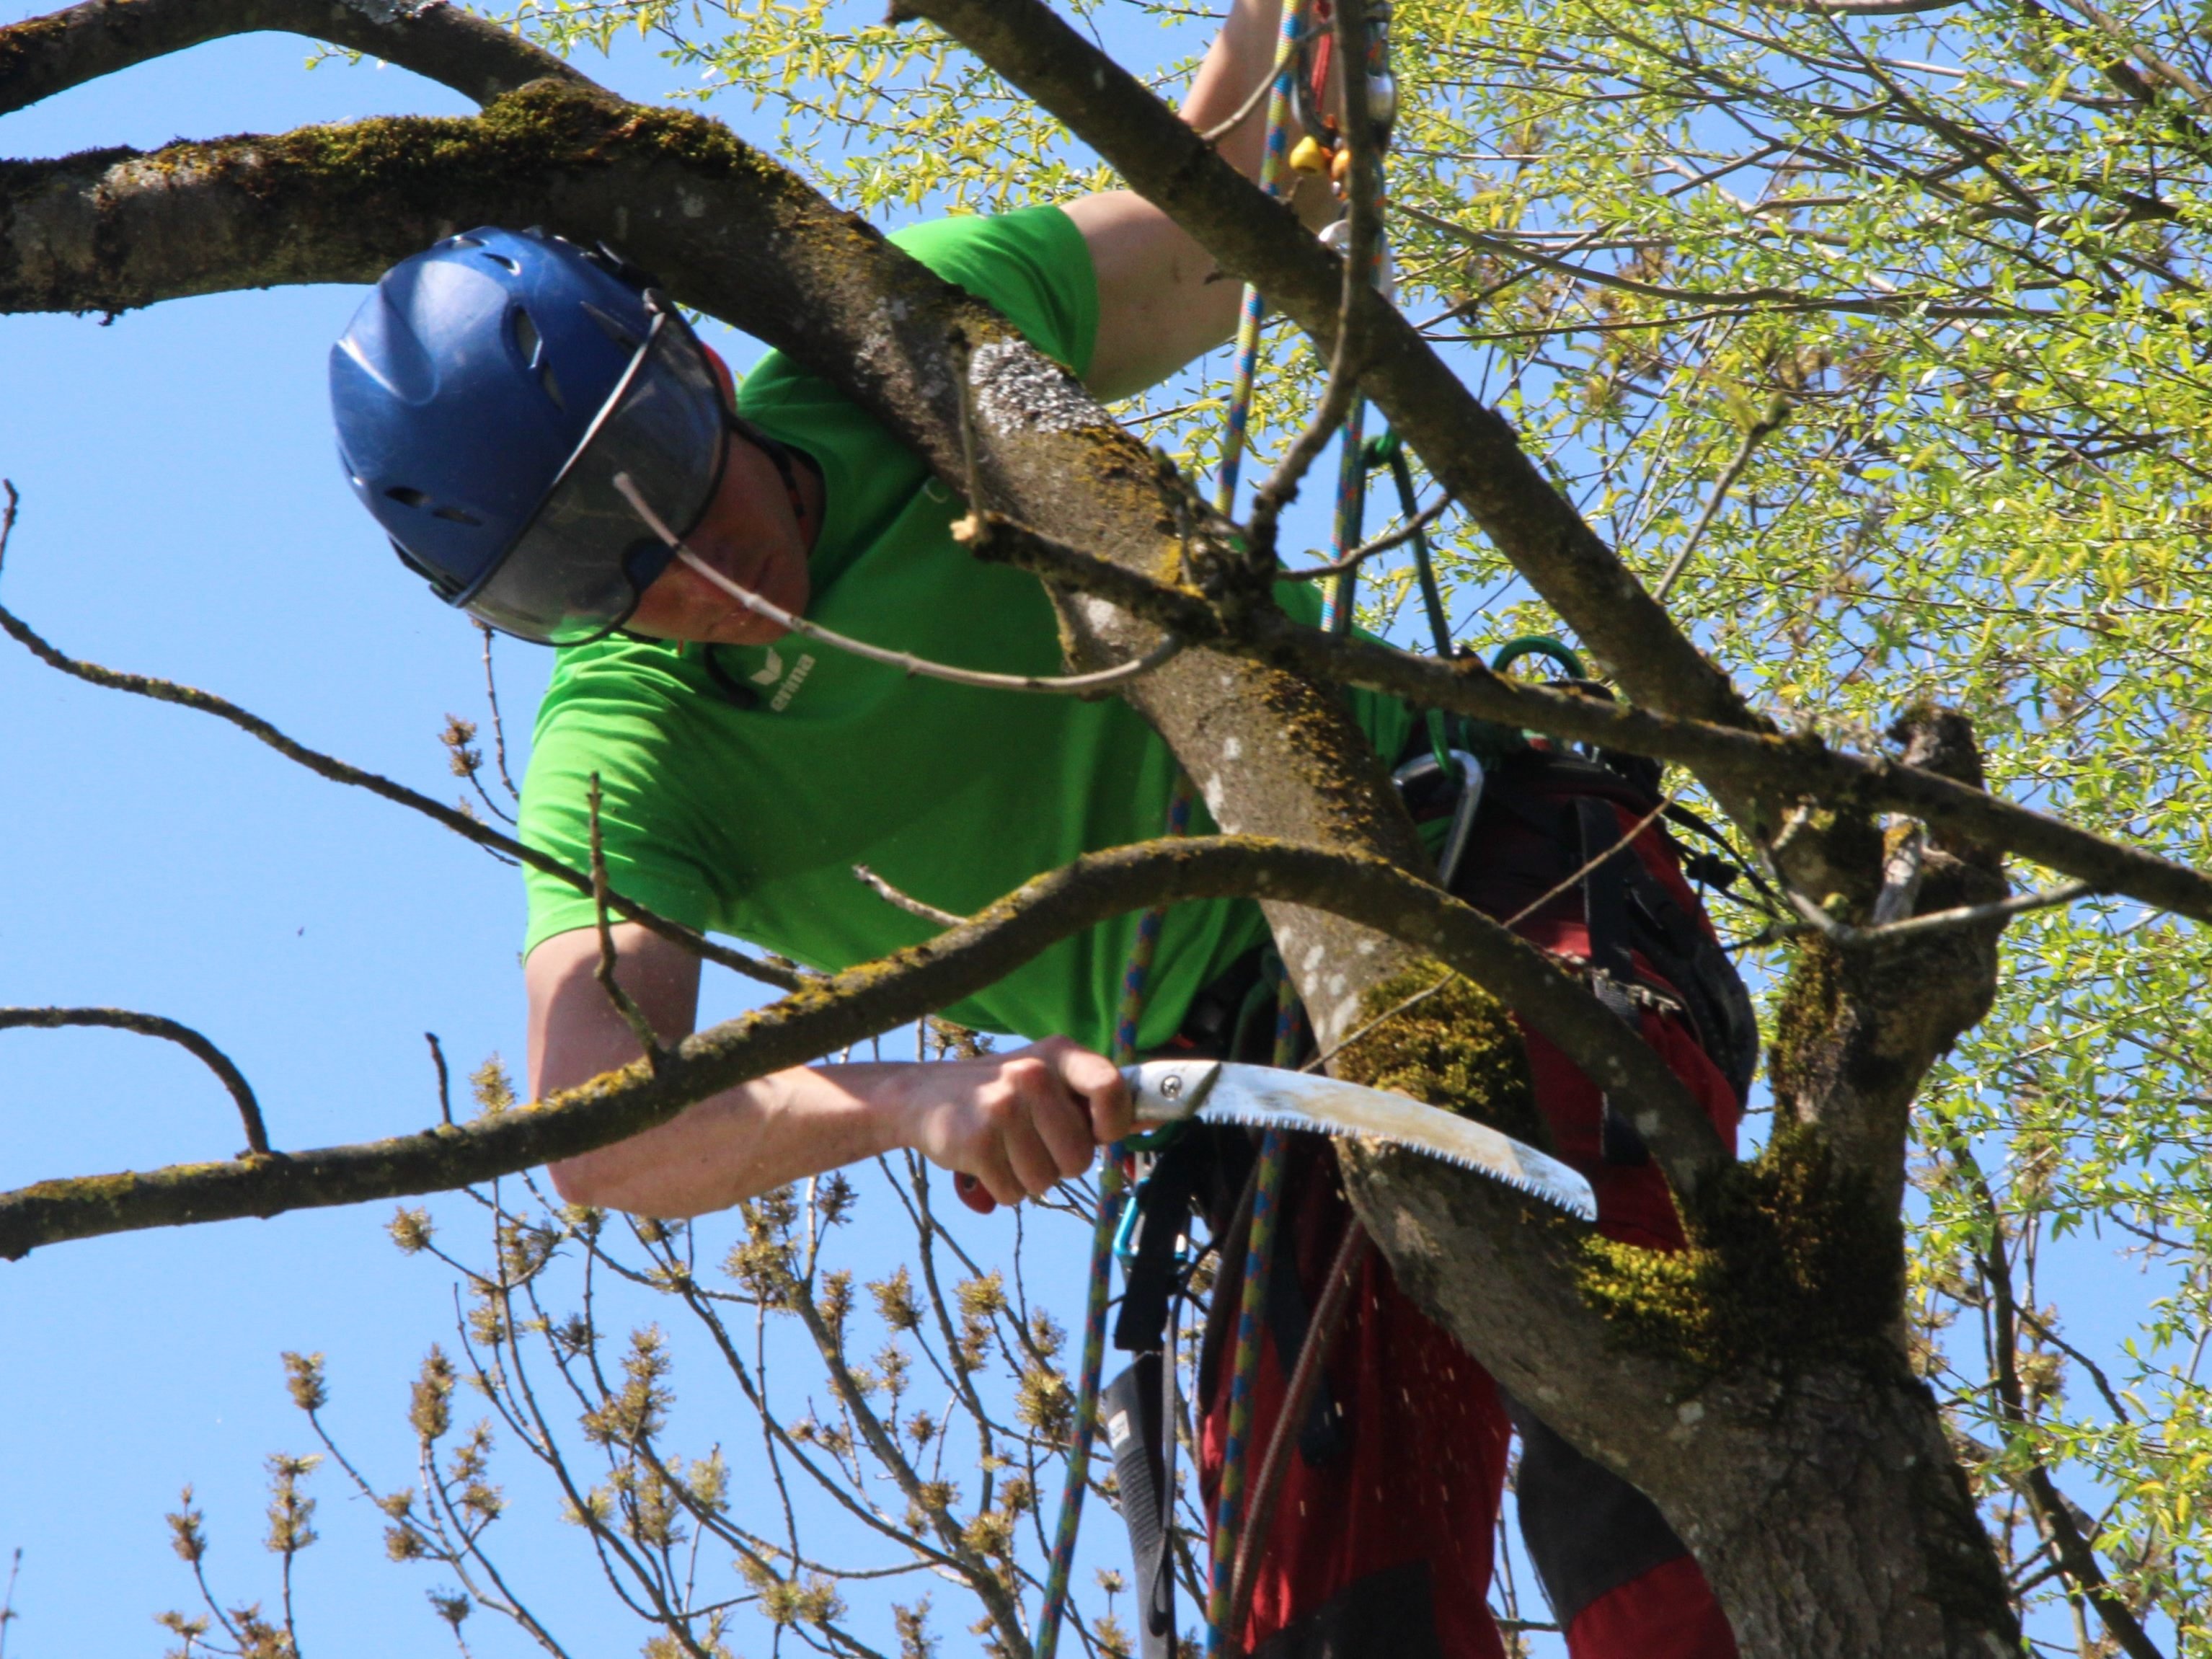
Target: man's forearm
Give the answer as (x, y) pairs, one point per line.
(1019, 1122)
(1243, 56)
(745, 1141)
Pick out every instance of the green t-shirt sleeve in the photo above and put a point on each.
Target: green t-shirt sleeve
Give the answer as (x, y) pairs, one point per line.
(630, 722)
(1032, 266)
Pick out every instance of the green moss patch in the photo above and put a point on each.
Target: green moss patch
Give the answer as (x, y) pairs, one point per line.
(1790, 1258)
(1456, 1046)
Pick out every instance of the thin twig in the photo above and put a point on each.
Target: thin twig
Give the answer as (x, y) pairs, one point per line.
(1964, 915)
(1351, 560)
(153, 1025)
(1777, 413)
(8, 1614)
(1376, 1024)
(2096, 1371)
(445, 1081)
(1588, 866)
(1313, 1358)
(498, 725)
(625, 1004)
(339, 771)
(1281, 488)
(760, 606)
(1252, 100)
(907, 901)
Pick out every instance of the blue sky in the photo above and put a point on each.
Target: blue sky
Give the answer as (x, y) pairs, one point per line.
(184, 516)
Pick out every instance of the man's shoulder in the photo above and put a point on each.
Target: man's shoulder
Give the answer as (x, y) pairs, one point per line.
(1032, 264)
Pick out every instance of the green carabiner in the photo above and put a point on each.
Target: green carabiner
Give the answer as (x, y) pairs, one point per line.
(1537, 645)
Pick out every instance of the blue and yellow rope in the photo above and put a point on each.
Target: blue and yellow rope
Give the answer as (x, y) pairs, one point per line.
(1136, 975)
(1273, 164)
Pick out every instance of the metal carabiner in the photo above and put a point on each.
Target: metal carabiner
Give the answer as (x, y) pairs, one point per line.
(1422, 767)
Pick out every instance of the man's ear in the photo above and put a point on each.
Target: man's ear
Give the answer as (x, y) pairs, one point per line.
(728, 381)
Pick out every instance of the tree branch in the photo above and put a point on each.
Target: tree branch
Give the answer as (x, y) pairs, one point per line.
(1470, 449)
(339, 771)
(875, 997)
(2076, 1556)
(42, 55)
(155, 1025)
(1774, 765)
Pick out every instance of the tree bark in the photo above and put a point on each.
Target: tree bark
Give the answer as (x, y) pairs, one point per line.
(1766, 1413)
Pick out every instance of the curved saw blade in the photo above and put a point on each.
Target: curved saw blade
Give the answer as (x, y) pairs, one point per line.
(1269, 1097)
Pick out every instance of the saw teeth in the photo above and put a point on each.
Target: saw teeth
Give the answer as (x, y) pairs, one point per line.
(1259, 1117)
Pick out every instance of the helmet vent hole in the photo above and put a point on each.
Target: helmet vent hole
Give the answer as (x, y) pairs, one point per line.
(552, 386)
(527, 340)
(454, 515)
(513, 267)
(406, 497)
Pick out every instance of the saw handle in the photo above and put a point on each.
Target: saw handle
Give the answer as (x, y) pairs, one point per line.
(1162, 1091)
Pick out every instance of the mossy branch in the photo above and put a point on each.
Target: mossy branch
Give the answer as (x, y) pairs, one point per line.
(875, 997)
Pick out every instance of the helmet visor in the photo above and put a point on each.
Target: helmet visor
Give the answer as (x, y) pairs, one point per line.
(578, 569)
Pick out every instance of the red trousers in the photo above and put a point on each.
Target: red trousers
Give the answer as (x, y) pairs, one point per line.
(1383, 1548)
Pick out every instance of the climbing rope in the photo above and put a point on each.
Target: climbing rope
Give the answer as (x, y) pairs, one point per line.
(1244, 1365)
(1136, 976)
(1229, 1503)
(1272, 167)
(1299, 83)
(1301, 79)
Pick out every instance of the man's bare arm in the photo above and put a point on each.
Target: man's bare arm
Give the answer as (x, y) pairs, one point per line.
(1018, 1121)
(1161, 299)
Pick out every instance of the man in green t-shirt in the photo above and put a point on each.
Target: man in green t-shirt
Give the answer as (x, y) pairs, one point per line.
(489, 396)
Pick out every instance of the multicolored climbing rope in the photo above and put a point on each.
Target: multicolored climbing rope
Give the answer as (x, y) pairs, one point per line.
(1350, 514)
(1111, 1188)
(1229, 1504)
(1271, 170)
(1136, 975)
(1136, 971)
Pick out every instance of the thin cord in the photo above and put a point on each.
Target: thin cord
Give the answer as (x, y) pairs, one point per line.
(760, 606)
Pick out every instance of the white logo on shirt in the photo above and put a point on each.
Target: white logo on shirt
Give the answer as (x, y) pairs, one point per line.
(771, 672)
(793, 681)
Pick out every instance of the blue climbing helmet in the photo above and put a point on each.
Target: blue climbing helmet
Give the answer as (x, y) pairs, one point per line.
(487, 394)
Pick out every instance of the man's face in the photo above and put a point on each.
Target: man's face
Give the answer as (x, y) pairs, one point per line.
(751, 535)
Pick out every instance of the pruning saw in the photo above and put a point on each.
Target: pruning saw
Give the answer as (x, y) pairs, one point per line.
(1166, 1092)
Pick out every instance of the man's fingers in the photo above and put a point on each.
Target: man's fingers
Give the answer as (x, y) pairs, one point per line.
(1098, 1081)
(1065, 1125)
(997, 1174)
(1033, 1163)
